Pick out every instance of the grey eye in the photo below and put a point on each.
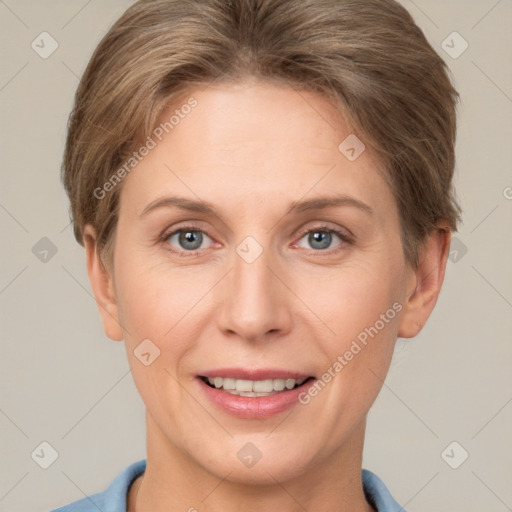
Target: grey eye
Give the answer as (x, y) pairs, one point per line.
(320, 239)
(188, 239)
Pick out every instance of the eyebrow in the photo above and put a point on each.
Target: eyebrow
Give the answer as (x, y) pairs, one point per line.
(319, 203)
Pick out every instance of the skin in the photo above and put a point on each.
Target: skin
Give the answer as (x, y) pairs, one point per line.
(250, 150)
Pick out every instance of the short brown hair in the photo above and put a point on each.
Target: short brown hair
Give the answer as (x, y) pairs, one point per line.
(369, 58)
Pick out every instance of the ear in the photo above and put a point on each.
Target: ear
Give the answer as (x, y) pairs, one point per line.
(424, 283)
(102, 284)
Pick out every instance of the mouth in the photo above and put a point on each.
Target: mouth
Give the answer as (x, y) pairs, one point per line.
(257, 394)
(254, 388)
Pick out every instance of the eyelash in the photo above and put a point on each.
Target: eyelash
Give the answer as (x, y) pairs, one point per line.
(345, 238)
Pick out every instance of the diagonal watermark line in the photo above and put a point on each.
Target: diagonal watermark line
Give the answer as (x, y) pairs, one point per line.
(489, 283)
(304, 195)
(485, 218)
(199, 403)
(424, 13)
(78, 282)
(301, 300)
(294, 87)
(14, 485)
(98, 98)
(76, 14)
(486, 14)
(198, 301)
(67, 226)
(486, 424)
(14, 76)
(14, 218)
(93, 297)
(492, 81)
(97, 402)
(13, 279)
(485, 485)
(13, 13)
(278, 425)
(85, 495)
(286, 490)
(220, 220)
(215, 488)
(70, 70)
(405, 504)
(13, 423)
(384, 384)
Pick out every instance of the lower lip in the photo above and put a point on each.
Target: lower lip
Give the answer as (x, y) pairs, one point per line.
(259, 407)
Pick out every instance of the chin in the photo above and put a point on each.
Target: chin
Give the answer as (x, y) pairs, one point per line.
(255, 460)
(262, 473)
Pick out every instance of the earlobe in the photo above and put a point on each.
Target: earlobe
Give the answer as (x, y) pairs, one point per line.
(425, 283)
(102, 284)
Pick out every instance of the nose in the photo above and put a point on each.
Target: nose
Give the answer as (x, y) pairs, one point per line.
(254, 302)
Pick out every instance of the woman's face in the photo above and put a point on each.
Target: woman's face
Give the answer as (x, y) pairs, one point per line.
(251, 247)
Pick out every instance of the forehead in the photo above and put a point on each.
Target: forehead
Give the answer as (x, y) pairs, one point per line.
(254, 140)
(243, 118)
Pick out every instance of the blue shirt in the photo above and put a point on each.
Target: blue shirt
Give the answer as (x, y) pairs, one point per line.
(113, 499)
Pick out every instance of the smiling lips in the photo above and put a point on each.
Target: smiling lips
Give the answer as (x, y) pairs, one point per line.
(253, 394)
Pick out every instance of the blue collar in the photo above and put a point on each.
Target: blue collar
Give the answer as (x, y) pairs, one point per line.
(113, 499)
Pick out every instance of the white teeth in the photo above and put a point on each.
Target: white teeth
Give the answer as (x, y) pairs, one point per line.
(244, 387)
(229, 384)
(279, 384)
(263, 386)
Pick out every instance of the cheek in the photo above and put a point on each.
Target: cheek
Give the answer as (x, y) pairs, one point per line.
(351, 298)
(151, 296)
(163, 304)
(360, 306)
(154, 310)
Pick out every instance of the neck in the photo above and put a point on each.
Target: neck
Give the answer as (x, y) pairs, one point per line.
(172, 481)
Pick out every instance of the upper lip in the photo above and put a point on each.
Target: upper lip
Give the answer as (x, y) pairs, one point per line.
(255, 374)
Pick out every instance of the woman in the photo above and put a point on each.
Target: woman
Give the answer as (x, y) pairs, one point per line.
(264, 192)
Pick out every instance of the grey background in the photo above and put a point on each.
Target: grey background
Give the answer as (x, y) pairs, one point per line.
(62, 381)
